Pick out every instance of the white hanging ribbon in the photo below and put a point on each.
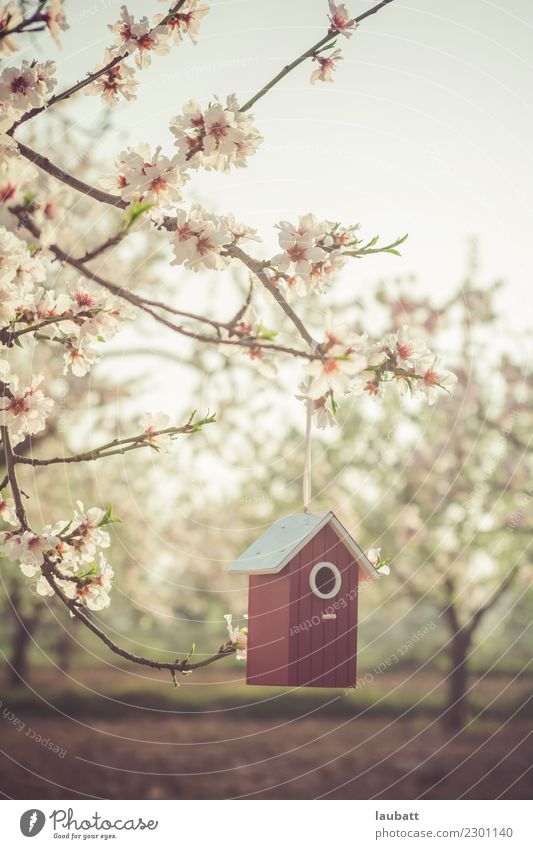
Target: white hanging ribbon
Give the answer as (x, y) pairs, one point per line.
(307, 457)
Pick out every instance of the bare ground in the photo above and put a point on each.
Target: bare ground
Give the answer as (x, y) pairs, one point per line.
(227, 756)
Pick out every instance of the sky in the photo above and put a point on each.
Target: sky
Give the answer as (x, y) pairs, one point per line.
(427, 128)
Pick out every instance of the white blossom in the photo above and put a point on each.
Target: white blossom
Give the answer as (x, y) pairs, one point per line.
(237, 637)
(409, 350)
(10, 17)
(118, 81)
(343, 355)
(199, 239)
(323, 415)
(25, 413)
(143, 176)
(341, 20)
(87, 533)
(23, 88)
(433, 379)
(216, 138)
(54, 15)
(326, 67)
(7, 511)
(31, 548)
(186, 21)
(139, 38)
(95, 593)
(151, 423)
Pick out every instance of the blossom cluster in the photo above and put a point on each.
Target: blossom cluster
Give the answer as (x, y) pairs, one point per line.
(215, 138)
(312, 253)
(79, 319)
(22, 88)
(143, 176)
(22, 185)
(200, 238)
(348, 362)
(65, 554)
(141, 40)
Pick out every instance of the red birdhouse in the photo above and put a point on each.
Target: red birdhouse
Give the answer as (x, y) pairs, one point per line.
(305, 571)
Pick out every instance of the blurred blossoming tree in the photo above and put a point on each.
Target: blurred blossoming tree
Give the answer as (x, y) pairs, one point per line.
(60, 294)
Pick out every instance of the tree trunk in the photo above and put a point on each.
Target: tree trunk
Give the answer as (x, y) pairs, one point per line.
(457, 712)
(24, 627)
(64, 650)
(20, 645)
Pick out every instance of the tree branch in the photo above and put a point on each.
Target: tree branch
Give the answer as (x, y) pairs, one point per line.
(178, 665)
(15, 489)
(49, 570)
(308, 54)
(69, 180)
(115, 446)
(64, 95)
(147, 305)
(258, 268)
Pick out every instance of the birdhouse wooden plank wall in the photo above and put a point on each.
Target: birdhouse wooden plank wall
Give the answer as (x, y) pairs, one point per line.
(304, 573)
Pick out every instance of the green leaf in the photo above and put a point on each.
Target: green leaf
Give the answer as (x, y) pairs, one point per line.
(135, 212)
(65, 529)
(108, 518)
(264, 333)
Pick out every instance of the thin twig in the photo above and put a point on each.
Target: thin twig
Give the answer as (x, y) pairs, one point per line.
(308, 54)
(115, 446)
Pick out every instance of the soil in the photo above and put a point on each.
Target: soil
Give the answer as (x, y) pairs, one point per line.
(224, 754)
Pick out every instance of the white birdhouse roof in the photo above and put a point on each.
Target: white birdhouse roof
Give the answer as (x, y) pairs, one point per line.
(285, 538)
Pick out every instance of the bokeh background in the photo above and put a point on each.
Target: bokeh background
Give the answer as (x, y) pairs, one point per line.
(427, 131)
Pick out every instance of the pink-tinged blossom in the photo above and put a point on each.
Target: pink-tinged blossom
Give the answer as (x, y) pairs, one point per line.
(326, 67)
(27, 86)
(119, 81)
(333, 375)
(139, 38)
(340, 19)
(407, 349)
(78, 359)
(7, 510)
(87, 533)
(433, 379)
(56, 21)
(199, 239)
(186, 22)
(368, 384)
(238, 637)
(8, 150)
(95, 592)
(10, 17)
(17, 265)
(323, 415)
(217, 138)
(374, 556)
(32, 548)
(26, 412)
(43, 588)
(153, 422)
(299, 245)
(143, 176)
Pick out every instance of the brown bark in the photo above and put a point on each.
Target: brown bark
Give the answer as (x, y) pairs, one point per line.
(24, 628)
(457, 712)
